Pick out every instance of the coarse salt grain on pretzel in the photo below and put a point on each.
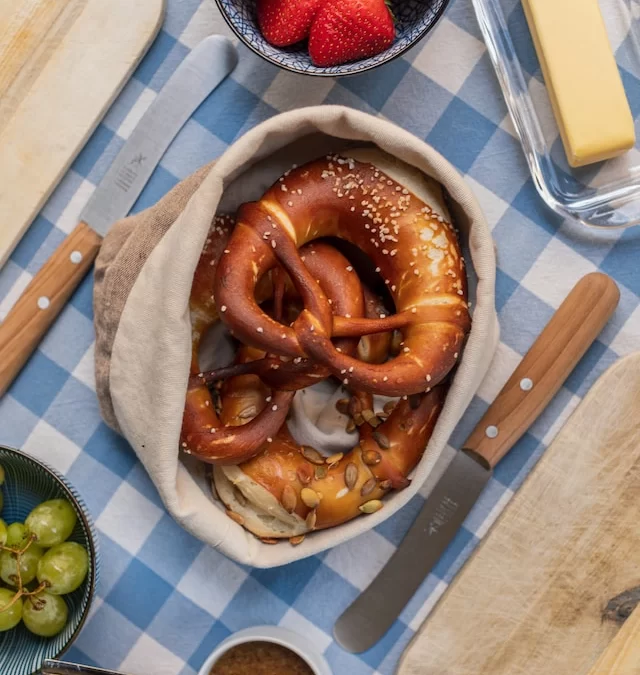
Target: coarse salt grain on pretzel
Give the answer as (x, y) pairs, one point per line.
(203, 434)
(289, 490)
(395, 215)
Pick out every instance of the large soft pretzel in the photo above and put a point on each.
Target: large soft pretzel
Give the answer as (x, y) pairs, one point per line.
(203, 434)
(289, 490)
(394, 216)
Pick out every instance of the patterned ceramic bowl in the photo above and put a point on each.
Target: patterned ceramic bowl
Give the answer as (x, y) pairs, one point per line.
(28, 483)
(414, 19)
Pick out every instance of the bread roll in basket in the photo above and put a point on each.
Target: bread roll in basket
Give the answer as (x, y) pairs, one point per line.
(144, 278)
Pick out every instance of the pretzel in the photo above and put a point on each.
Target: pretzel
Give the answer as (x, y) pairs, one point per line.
(412, 244)
(203, 434)
(289, 490)
(299, 373)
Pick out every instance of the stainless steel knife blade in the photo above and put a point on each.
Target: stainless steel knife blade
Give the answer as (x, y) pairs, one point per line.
(562, 343)
(363, 623)
(195, 78)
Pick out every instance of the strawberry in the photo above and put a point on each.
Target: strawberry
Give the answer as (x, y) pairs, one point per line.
(285, 22)
(348, 30)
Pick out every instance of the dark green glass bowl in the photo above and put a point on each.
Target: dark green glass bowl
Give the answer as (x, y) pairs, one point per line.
(29, 482)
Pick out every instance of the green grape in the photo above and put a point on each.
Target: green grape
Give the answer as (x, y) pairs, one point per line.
(52, 522)
(3, 532)
(63, 567)
(17, 535)
(9, 618)
(28, 565)
(45, 614)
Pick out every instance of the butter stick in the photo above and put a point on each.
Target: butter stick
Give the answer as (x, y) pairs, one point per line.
(582, 79)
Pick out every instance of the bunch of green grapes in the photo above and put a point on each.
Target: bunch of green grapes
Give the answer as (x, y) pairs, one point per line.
(38, 566)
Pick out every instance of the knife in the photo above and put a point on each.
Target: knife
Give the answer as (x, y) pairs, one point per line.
(562, 343)
(51, 667)
(196, 77)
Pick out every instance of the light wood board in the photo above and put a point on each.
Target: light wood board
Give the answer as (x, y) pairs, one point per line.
(62, 63)
(530, 601)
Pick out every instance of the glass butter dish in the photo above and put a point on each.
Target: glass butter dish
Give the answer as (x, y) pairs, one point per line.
(606, 194)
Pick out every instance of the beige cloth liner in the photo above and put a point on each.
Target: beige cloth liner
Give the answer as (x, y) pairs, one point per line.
(142, 360)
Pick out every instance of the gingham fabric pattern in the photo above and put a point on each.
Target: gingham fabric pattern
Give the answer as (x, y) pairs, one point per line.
(165, 600)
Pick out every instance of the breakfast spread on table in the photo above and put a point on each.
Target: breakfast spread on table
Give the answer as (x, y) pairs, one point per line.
(320, 336)
(38, 567)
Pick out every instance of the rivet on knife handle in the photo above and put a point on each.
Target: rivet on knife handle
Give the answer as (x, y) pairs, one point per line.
(562, 343)
(43, 299)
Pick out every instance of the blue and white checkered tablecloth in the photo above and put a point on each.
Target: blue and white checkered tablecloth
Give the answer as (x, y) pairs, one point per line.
(166, 600)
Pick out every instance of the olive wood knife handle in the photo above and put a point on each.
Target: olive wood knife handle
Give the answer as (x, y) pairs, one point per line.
(560, 346)
(43, 299)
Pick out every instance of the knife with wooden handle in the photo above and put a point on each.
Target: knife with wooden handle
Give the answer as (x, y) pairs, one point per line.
(562, 343)
(196, 77)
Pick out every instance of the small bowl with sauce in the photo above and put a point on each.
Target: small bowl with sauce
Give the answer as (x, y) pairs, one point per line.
(265, 650)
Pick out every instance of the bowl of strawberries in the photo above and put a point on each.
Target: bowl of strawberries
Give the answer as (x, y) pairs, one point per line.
(331, 37)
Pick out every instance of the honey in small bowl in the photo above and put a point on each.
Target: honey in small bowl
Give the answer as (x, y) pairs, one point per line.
(260, 658)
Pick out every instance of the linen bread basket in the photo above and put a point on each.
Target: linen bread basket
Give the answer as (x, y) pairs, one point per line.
(143, 280)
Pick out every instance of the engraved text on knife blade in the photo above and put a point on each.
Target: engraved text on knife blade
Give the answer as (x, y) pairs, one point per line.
(444, 512)
(128, 175)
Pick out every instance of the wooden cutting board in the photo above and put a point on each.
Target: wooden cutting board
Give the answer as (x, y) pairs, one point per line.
(62, 63)
(531, 600)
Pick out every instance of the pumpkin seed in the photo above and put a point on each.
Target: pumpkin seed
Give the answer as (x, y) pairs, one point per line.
(375, 421)
(294, 541)
(311, 519)
(321, 472)
(414, 401)
(385, 484)
(268, 540)
(342, 406)
(247, 413)
(358, 419)
(304, 474)
(312, 455)
(389, 406)
(351, 426)
(240, 498)
(309, 497)
(381, 439)
(289, 498)
(368, 487)
(334, 459)
(235, 516)
(368, 414)
(371, 457)
(351, 475)
(371, 506)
